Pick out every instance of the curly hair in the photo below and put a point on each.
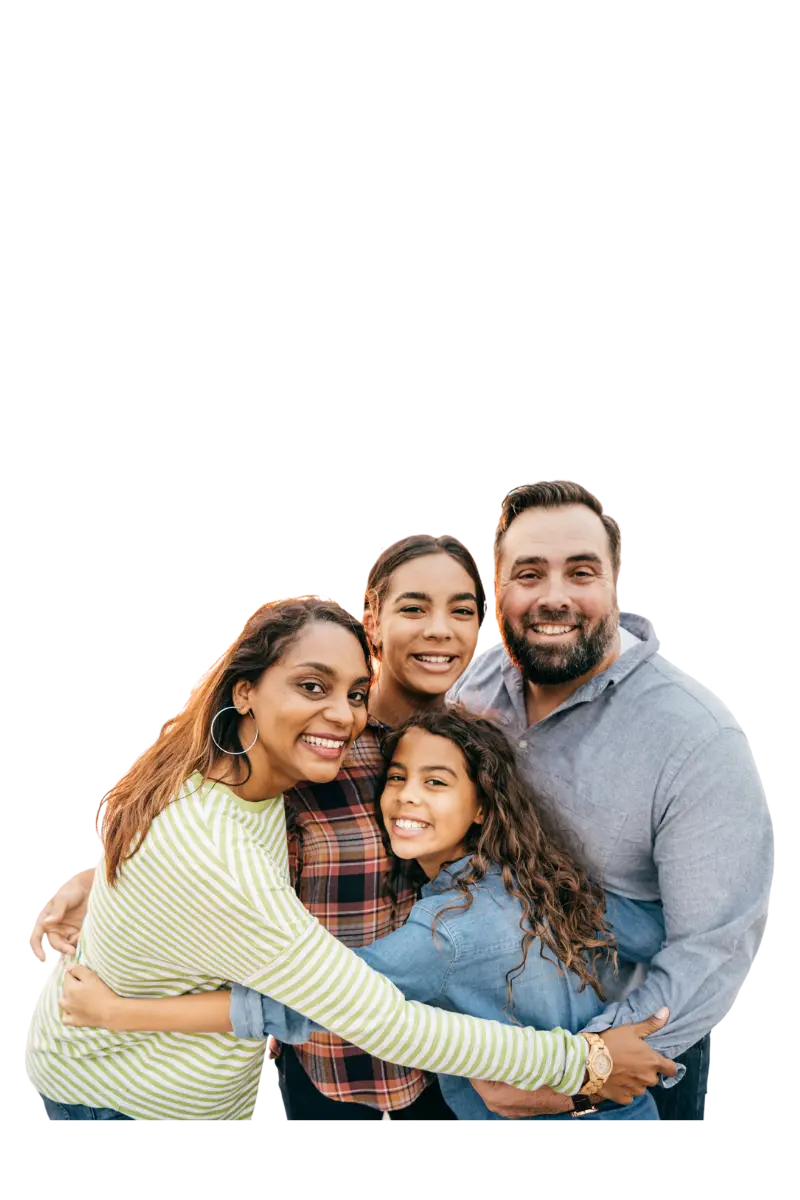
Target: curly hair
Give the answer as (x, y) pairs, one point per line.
(560, 904)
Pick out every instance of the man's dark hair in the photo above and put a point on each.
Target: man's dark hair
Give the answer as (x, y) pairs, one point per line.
(555, 495)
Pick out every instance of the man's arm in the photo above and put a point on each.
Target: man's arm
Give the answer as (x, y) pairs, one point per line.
(714, 854)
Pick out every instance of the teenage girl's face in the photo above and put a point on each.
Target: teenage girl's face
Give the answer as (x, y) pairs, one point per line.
(427, 629)
(310, 706)
(429, 802)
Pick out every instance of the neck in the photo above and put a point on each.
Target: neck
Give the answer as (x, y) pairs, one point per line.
(432, 864)
(392, 704)
(262, 784)
(541, 699)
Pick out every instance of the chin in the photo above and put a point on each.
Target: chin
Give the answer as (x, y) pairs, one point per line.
(403, 852)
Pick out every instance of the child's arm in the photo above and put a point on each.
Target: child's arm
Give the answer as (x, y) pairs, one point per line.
(86, 1000)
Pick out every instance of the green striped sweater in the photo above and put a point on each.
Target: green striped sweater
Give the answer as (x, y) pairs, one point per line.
(207, 901)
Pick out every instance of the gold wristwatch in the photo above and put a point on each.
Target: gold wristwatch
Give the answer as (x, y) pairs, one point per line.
(599, 1064)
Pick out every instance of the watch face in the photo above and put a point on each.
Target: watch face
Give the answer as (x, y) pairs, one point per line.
(602, 1064)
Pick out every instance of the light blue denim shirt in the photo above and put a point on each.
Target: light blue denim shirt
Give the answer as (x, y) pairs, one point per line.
(654, 786)
(463, 969)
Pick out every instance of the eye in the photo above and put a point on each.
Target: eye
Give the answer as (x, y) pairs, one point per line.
(465, 612)
(436, 782)
(528, 576)
(312, 686)
(359, 696)
(584, 574)
(394, 777)
(411, 608)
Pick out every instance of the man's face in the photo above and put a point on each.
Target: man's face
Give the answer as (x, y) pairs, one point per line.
(556, 593)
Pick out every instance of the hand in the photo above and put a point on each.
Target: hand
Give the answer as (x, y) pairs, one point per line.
(637, 1066)
(508, 1101)
(62, 917)
(274, 1048)
(85, 999)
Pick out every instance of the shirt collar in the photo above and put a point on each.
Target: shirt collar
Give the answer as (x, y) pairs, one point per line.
(444, 880)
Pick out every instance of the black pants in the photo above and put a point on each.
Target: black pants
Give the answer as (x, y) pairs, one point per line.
(686, 1100)
(303, 1102)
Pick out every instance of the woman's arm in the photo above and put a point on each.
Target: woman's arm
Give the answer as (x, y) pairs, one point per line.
(62, 916)
(86, 1000)
(414, 961)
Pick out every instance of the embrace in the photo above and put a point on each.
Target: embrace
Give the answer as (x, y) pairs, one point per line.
(525, 888)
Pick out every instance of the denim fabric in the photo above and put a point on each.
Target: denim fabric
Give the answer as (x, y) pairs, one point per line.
(687, 1102)
(463, 969)
(57, 1111)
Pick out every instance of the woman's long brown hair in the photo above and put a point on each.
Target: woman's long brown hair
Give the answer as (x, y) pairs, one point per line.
(560, 904)
(184, 744)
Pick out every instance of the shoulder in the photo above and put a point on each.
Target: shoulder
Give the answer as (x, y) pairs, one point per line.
(482, 684)
(675, 697)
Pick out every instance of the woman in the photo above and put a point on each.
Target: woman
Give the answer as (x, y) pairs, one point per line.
(423, 606)
(195, 892)
(508, 926)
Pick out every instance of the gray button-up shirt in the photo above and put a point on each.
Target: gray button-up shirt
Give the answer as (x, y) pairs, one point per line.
(652, 783)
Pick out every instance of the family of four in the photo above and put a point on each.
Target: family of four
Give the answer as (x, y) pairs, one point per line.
(528, 887)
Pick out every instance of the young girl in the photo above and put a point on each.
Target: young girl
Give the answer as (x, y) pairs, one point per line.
(507, 927)
(194, 891)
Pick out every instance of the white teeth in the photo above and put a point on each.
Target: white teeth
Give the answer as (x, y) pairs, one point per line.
(404, 823)
(552, 628)
(434, 658)
(328, 743)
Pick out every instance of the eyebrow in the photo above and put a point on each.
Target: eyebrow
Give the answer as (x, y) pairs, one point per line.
(536, 560)
(426, 596)
(435, 767)
(324, 670)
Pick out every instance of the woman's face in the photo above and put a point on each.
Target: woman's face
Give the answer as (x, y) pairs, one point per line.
(310, 706)
(429, 802)
(427, 628)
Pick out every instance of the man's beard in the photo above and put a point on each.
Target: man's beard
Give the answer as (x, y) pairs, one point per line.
(545, 664)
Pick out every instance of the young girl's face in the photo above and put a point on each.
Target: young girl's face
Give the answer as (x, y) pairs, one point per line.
(427, 628)
(429, 802)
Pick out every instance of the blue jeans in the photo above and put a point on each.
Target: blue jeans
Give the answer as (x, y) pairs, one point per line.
(686, 1100)
(57, 1111)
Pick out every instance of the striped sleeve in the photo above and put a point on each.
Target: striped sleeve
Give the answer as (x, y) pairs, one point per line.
(236, 912)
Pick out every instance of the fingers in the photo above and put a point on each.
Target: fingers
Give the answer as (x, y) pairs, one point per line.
(36, 942)
(665, 1066)
(64, 943)
(78, 972)
(651, 1024)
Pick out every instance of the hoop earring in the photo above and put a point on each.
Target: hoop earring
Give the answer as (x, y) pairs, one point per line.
(222, 748)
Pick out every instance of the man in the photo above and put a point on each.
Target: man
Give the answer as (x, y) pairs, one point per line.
(645, 772)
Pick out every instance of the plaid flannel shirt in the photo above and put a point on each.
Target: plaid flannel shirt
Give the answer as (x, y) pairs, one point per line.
(338, 866)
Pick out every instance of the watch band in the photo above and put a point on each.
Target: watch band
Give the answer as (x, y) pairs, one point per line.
(582, 1106)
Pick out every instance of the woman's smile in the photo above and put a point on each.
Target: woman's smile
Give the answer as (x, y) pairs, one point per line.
(436, 664)
(325, 745)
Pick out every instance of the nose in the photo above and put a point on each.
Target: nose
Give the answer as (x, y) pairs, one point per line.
(408, 793)
(554, 594)
(437, 626)
(339, 711)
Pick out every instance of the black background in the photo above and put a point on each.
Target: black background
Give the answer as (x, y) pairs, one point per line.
(132, 597)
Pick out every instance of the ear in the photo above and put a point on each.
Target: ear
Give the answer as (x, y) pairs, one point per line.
(479, 817)
(372, 627)
(241, 695)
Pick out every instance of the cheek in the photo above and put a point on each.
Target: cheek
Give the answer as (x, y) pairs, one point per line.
(359, 720)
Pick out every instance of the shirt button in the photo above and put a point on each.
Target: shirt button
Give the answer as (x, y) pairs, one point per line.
(522, 744)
